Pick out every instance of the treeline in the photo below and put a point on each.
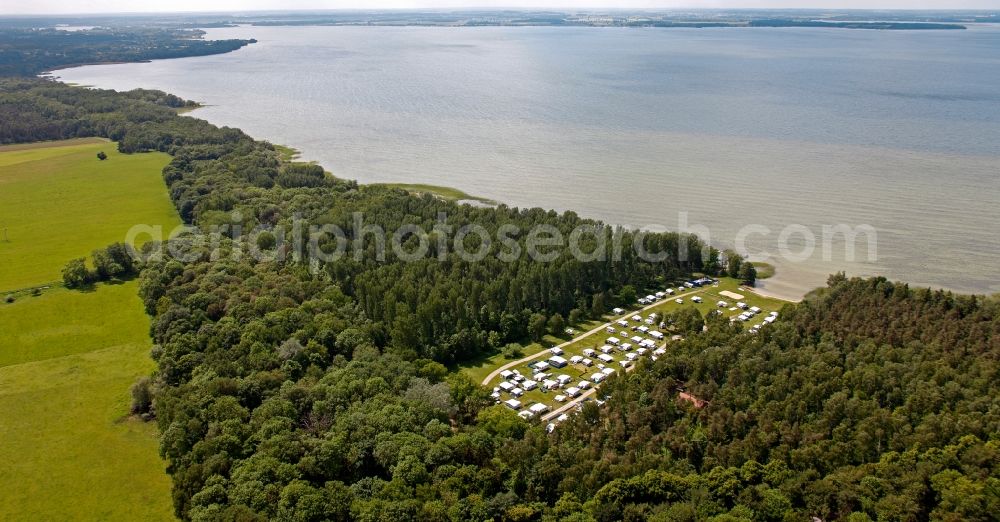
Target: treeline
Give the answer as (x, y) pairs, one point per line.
(28, 52)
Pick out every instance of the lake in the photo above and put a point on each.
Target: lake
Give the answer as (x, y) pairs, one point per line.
(790, 130)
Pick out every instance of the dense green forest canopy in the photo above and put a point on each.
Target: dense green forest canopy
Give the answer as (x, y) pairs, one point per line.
(291, 393)
(30, 51)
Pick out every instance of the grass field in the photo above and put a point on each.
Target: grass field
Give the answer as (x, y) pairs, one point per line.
(68, 451)
(60, 322)
(59, 202)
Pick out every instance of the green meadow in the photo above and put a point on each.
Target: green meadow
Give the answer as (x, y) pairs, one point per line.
(59, 202)
(68, 449)
(447, 193)
(69, 452)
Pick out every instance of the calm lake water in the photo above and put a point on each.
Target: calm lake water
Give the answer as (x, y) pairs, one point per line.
(645, 127)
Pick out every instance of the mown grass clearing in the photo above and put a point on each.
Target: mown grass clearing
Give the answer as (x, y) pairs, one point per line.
(62, 322)
(447, 193)
(59, 202)
(68, 450)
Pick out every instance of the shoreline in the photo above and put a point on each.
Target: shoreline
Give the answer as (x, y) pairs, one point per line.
(453, 194)
(776, 295)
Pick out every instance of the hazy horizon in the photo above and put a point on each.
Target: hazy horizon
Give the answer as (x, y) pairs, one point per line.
(71, 7)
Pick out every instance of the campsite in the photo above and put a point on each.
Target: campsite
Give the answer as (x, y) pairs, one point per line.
(565, 372)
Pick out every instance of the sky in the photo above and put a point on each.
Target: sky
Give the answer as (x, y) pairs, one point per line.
(13, 7)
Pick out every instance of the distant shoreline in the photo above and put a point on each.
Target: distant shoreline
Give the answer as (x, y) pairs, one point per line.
(667, 24)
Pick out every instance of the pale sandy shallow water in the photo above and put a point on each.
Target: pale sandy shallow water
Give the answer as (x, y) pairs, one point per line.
(899, 131)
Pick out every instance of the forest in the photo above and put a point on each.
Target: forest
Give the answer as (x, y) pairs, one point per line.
(30, 51)
(293, 392)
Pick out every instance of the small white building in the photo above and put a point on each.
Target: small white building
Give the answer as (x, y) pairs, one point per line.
(631, 356)
(660, 295)
(549, 384)
(526, 415)
(506, 386)
(614, 340)
(636, 339)
(529, 385)
(538, 408)
(642, 329)
(659, 351)
(696, 299)
(607, 348)
(589, 352)
(575, 359)
(670, 291)
(606, 358)
(562, 418)
(617, 311)
(516, 392)
(642, 351)
(558, 362)
(597, 377)
(573, 392)
(560, 398)
(610, 329)
(513, 404)
(587, 362)
(583, 385)
(541, 366)
(622, 322)
(637, 317)
(625, 347)
(657, 335)
(556, 351)
(741, 305)
(608, 371)
(506, 374)
(755, 309)
(679, 301)
(564, 379)
(722, 304)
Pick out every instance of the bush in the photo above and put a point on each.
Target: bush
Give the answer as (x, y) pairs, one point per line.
(142, 396)
(513, 351)
(75, 274)
(9, 299)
